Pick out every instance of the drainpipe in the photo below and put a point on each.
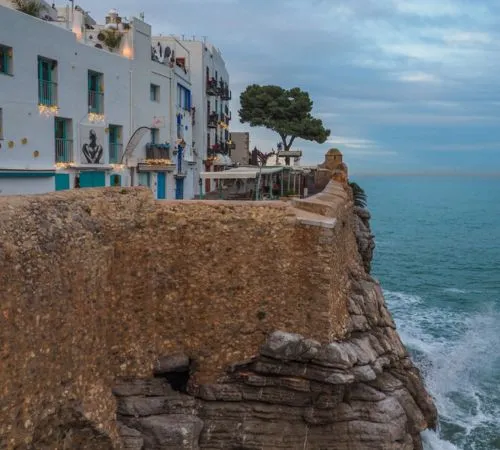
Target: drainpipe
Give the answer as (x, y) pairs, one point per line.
(130, 121)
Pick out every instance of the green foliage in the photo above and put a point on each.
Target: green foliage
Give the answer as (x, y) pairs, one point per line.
(32, 7)
(285, 111)
(359, 195)
(112, 38)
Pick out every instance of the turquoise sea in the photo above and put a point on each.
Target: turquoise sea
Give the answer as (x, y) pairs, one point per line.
(438, 260)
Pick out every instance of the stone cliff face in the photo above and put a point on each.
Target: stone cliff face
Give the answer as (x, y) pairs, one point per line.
(359, 393)
(129, 323)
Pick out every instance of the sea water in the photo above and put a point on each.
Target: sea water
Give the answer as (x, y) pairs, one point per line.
(438, 260)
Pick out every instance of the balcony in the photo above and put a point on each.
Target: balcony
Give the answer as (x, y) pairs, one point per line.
(115, 152)
(224, 148)
(64, 150)
(211, 86)
(157, 151)
(96, 102)
(225, 94)
(213, 119)
(47, 93)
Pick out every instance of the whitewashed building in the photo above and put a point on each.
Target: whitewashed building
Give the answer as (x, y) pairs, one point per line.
(210, 106)
(73, 94)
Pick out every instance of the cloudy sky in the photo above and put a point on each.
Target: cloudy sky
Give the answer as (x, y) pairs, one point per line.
(404, 85)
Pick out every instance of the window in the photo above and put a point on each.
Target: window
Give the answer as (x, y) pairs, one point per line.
(96, 92)
(5, 60)
(155, 136)
(183, 97)
(154, 93)
(115, 144)
(144, 179)
(47, 86)
(1, 124)
(63, 134)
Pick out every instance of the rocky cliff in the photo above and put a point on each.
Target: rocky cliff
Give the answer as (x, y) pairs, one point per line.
(362, 392)
(163, 325)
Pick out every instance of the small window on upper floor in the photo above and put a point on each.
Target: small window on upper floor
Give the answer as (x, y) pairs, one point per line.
(154, 93)
(5, 60)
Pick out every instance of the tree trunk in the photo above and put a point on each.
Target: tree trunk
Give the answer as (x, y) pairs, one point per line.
(287, 146)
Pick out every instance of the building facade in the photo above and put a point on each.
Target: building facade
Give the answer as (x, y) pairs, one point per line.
(240, 152)
(75, 93)
(210, 107)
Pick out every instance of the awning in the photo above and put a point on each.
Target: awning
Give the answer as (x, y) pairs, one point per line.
(240, 173)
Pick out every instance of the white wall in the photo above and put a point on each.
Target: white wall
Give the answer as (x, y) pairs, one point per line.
(23, 186)
(127, 100)
(19, 92)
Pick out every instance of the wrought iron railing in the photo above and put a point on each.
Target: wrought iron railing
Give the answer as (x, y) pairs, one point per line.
(157, 151)
(213, 119)
(64, 150)
(212, 86)
(47, 93)
(96, 102)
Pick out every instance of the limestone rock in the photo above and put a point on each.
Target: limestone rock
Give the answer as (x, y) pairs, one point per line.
(172, 363)
(170, 432)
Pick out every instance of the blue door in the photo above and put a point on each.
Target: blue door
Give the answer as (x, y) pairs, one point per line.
(62, 181)
(179, 188)
(161, 185)
(92, 179)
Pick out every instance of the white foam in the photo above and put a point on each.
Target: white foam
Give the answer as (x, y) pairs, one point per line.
(455, 291)
(401, 297)
(431, 441)
(454, 352)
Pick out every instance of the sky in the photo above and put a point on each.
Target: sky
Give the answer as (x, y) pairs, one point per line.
(403, 85)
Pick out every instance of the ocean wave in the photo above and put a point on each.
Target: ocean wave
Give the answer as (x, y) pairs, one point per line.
(431, 441)
(401, 297)
(455, 291)
(453, 350)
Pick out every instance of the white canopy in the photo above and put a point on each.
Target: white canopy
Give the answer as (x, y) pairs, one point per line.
(240, 173)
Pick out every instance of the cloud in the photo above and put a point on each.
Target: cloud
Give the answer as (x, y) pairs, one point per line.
(393, 76)
(351, 143)
(419, 77)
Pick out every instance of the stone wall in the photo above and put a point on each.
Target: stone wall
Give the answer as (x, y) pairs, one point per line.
(96, 285)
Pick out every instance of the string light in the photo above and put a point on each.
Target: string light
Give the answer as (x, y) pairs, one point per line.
(94, 117)
(48, 111)
(63, 165)
(158, 162)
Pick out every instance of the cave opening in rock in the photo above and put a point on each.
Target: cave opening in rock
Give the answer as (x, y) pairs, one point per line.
(178, 380)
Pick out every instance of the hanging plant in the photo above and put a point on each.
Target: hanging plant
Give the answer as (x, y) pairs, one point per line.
(112, 38)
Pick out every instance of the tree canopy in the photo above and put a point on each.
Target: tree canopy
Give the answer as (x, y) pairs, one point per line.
(285, 111)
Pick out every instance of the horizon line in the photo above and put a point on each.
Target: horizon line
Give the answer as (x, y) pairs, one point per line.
(427, 174)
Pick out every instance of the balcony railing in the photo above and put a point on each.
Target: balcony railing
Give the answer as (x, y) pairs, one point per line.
(211, 86)
(225, 94)
(213, 118)
(157, 151)
(115, 152)
(47, 93)
(96, 102)
(64, 150)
